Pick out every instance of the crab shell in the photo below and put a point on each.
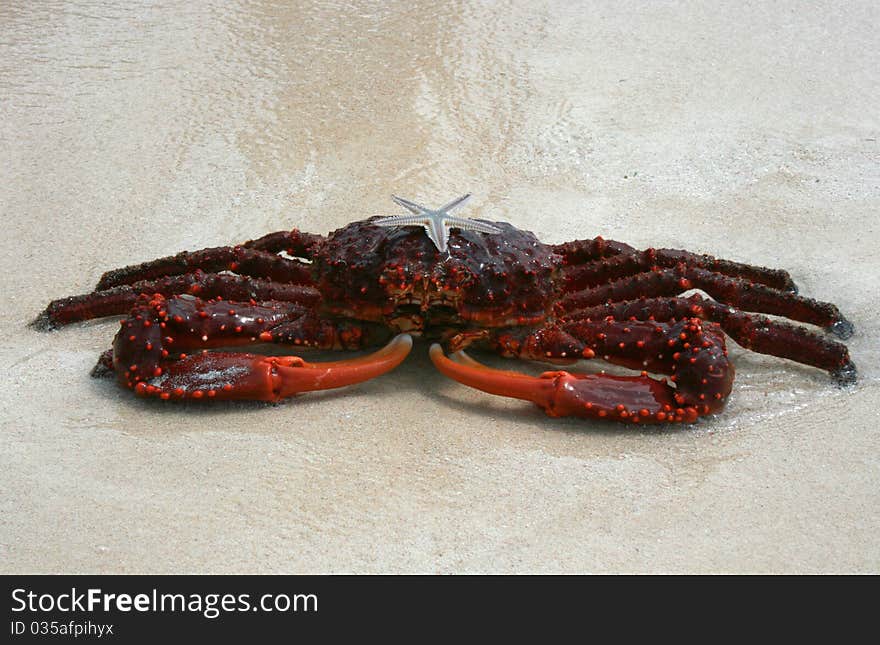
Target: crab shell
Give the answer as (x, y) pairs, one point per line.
(397, 277)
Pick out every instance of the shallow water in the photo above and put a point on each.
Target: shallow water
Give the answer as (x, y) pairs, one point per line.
(131, 131)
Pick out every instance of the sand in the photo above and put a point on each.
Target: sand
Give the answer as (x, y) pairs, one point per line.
(130, 133)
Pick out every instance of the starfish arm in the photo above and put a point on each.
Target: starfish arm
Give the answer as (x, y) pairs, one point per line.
(470, 225)
(438, 232)
(455, 203)
(402, 220)
(410, 206)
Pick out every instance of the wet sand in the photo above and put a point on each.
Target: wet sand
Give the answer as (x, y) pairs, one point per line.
(127, 134)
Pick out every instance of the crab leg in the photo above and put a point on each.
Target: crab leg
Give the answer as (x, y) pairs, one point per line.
(119, 300)
(151, 351)
(227, 375)
(240, 259)
(256, 258)
(692, 352)
(561, 393)
(734, 291)
(593, 262)
(295, 243)
(598, 272)
(580, 251)
(754, 332)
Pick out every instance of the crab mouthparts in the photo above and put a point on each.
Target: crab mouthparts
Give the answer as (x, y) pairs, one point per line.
(426, 295)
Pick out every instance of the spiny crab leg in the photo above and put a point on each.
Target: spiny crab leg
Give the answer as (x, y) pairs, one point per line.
(598, 261)
(233, 375)
(120, 299)
(560, 393)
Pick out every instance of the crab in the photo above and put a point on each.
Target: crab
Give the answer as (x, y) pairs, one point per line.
(458, 283)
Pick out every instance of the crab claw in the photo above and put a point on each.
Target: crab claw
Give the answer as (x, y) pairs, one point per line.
(232, 375)
(625, 398)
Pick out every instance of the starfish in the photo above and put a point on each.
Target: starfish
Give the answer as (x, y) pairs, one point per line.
(436, 222)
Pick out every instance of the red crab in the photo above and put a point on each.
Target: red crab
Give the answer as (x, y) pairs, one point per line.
(493, 285)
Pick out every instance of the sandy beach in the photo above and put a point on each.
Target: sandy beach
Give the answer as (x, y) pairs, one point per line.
(129, 133)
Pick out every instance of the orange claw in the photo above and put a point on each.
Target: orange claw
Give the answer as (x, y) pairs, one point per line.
(602, 396)
(232, 375)
(298, 376)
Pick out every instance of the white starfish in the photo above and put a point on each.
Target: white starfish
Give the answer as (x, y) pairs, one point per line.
(436, 222)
